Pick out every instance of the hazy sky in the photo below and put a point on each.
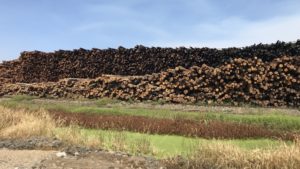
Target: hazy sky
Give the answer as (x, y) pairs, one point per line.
(49, 25)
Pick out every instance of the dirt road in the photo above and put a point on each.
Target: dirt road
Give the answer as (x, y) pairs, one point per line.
(28, 159)
(23, 159)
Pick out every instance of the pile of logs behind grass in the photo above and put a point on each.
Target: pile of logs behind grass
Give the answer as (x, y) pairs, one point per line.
(43, 67)
(251, 81)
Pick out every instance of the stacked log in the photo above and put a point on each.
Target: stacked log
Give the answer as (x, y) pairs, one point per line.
(240, 80)
(43, 67)
(9, 72)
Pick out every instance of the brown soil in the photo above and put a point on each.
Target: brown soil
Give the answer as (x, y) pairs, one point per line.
(204, 129)
(10, 159)
(25, 159)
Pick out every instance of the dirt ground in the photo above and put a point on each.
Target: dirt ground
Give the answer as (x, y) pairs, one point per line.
(46, 153)
(29, 159)
(23, 159)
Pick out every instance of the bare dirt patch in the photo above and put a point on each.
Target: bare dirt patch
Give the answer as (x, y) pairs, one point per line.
(105, 160)
(48, 153)
(27, 159)
(23, 159)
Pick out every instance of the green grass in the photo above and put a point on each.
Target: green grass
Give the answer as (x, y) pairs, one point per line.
(20, 98)
(272, 119)
(106, 101)
(162, 145)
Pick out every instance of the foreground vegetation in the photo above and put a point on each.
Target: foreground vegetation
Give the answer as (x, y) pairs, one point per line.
(161, 146)
(198, 153)
(24, 116)
(279, 119)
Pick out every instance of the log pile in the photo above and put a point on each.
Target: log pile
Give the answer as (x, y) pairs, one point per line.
(239, 80)
(9, 72)
(44, 67)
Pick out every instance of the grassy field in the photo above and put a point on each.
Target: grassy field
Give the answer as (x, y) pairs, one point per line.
(23, 116)
(162, 145)
(22, 123)
(269, 118)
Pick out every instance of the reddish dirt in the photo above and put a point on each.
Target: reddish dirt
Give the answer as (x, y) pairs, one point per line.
(190, 128)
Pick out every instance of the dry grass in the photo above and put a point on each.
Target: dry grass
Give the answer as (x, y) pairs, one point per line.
(143, 145)
(74, 136)
(109, 140)
(22, 123)
(225, 156)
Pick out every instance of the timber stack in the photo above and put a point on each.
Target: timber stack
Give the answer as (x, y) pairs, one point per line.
(238, 80)
(38, 66)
